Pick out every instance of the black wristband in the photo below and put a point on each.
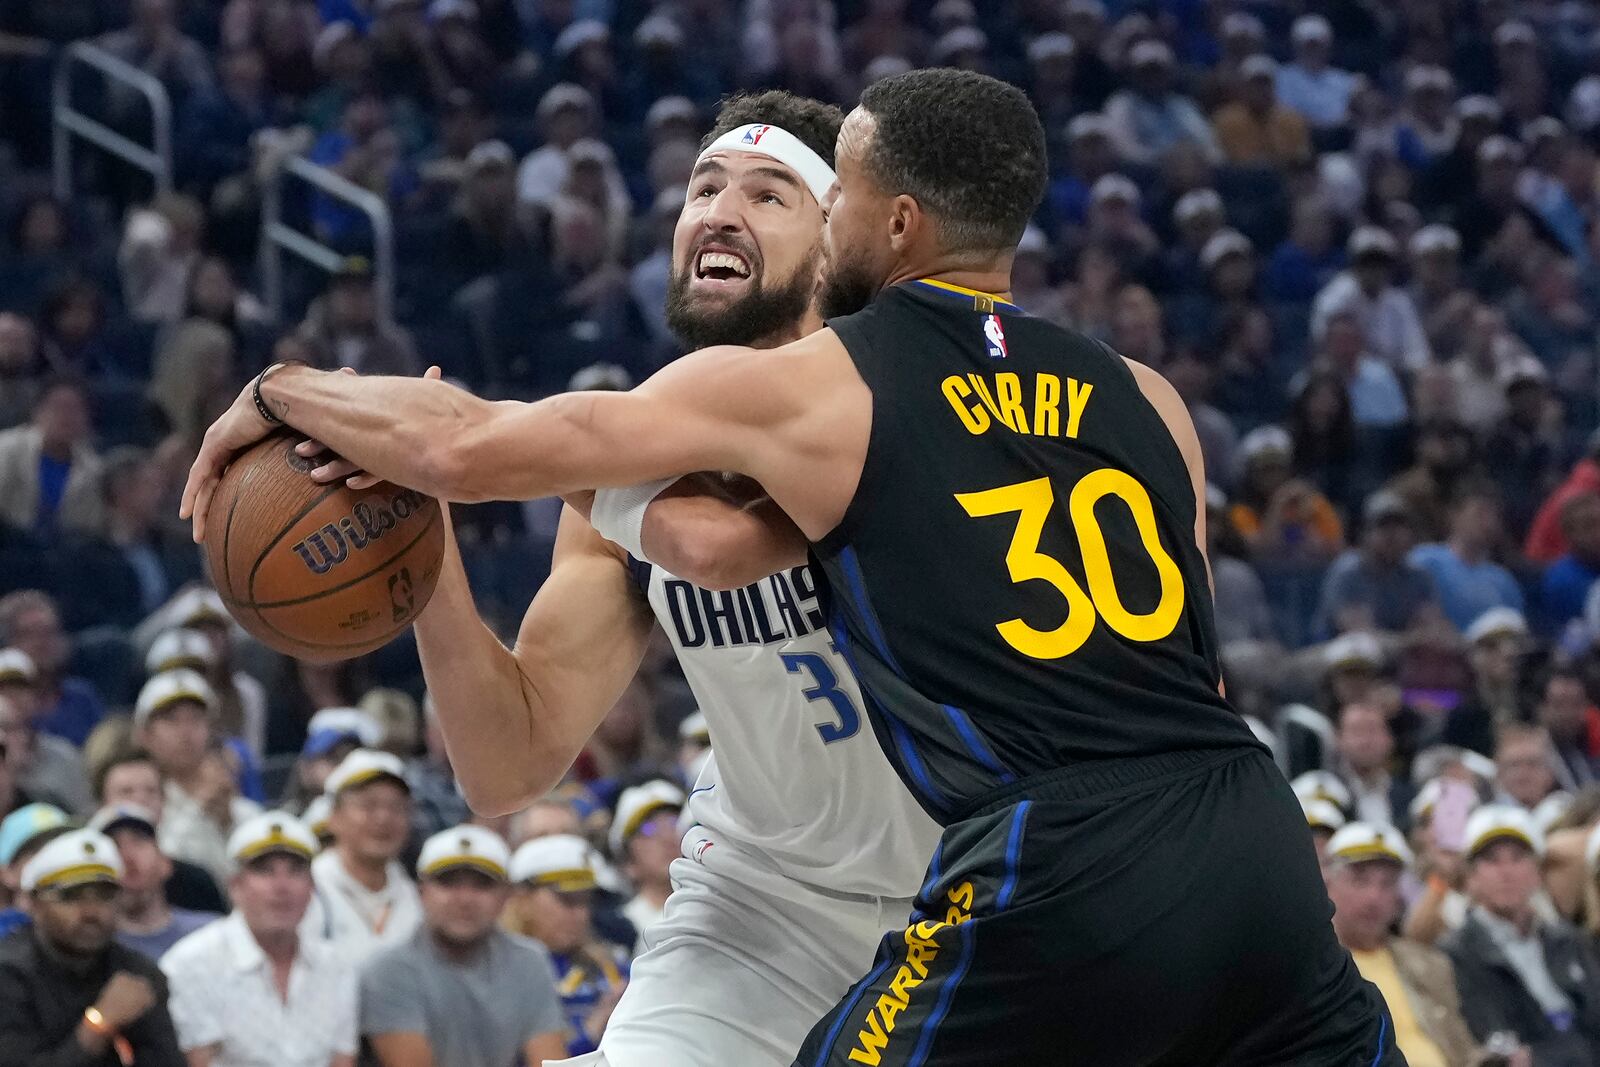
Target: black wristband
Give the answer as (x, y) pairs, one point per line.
(255, 389)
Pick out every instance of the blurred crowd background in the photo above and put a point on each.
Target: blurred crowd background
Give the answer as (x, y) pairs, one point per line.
(1361, 238)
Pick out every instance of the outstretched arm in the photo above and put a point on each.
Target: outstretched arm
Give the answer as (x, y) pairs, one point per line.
(773, 415)
(515, 719)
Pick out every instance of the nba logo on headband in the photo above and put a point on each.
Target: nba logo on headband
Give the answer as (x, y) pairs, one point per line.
(995, 336)
(754, 133)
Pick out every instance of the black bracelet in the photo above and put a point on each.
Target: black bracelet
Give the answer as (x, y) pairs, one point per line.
(255, 389)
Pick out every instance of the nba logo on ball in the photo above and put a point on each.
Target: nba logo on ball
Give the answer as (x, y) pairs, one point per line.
(754, 134)
(995, 335)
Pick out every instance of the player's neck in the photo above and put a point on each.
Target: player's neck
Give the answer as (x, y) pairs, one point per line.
(992, 278)
(807, 324)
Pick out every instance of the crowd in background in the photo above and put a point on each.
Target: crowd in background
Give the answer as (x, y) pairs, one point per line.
(1360, 238)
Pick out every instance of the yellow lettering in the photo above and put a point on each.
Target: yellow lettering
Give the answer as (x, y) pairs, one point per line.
(1077, 398)
(926, 932)
(1046, 406)
(962, 896)
(975, 419)
(870, 1042)
(1008, 388)
(982, 389)
(919, 955)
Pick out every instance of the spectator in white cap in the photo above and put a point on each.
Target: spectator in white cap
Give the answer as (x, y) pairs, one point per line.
(1469, 581)
(1279, 515)
(241, 698)
(566, 114)
(41, 766)
(645, 840)
(460, 989)
(146, 922)
(1518, 972)
(1372, 586)
(1150, 118)
(1091, 154)
(365, 899)
(484, 234)
(331, 735)
(174, 720)
(1324, 786)
(1309, 83)
(1198, 215)
(1363, 872)
(1377, 399)
(1496, 643)
(69, 993)
(1388, 318)
(251, 988)
(64, 706)
(1324, 819)
(554, 882)
(1427, 127)
(1255, 129)
(130, 779)
(1434, 255)
(1567, 713)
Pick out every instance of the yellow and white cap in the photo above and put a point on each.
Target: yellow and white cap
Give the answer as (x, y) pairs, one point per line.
(638, 804)
(1322, 814)
(316, 815)
(695, 728)
(17, 666)
(1361, 842)
(362, 766)
(465, 846)
(197, 606)
(565, 862)
(1551, 808)
(168, 688)
(78, 857)
(1322, 785)
(270, 832)
(1502, 822)
(180, 648)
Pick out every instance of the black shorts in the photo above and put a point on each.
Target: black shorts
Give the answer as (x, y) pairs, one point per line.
(1166, 910)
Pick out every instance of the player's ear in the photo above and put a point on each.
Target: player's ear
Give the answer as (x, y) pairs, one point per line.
(906, 221)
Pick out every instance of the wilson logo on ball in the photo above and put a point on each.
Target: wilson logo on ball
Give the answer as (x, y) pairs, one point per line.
(366, 523)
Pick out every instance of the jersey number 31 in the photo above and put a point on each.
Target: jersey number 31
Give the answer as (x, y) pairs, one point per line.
(1032, 502)
(827, 688)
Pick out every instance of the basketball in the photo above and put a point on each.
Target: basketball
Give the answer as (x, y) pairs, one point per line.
(321, 572)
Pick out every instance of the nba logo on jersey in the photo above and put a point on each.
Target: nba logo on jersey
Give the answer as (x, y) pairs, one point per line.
(995, 335)
(754, 134)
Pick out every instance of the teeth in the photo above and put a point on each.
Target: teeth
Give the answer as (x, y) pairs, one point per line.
(725, 261)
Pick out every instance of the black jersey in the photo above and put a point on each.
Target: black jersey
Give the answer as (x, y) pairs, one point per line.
(1016, 581)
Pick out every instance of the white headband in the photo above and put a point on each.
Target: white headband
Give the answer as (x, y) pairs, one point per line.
(778, 144)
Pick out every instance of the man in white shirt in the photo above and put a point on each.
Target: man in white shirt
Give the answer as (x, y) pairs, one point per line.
(174, 720)
(1366, 289)
(364, 899)
(248, 990)
(1310, 85)
(645, 839)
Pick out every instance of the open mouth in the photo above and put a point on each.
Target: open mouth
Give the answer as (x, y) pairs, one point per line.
(721, 265)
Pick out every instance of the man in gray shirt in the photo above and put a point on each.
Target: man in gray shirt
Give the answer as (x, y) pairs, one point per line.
(461, 991)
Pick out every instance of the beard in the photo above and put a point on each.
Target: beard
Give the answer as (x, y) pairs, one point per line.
(758, 314)
(847, 286)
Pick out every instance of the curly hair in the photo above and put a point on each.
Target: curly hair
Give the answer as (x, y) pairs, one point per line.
(816, 124)
(967, 147)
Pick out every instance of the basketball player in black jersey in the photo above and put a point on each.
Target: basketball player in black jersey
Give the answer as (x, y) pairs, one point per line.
(1009, 517)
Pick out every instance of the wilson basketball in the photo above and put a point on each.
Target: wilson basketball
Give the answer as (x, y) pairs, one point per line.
(322, 572)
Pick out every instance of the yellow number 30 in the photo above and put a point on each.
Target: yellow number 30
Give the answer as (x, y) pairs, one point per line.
(1032, 501)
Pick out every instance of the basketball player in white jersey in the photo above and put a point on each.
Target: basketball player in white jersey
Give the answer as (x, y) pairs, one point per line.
(806, 847)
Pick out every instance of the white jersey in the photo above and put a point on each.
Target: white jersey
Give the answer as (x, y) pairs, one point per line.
(796, 772)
